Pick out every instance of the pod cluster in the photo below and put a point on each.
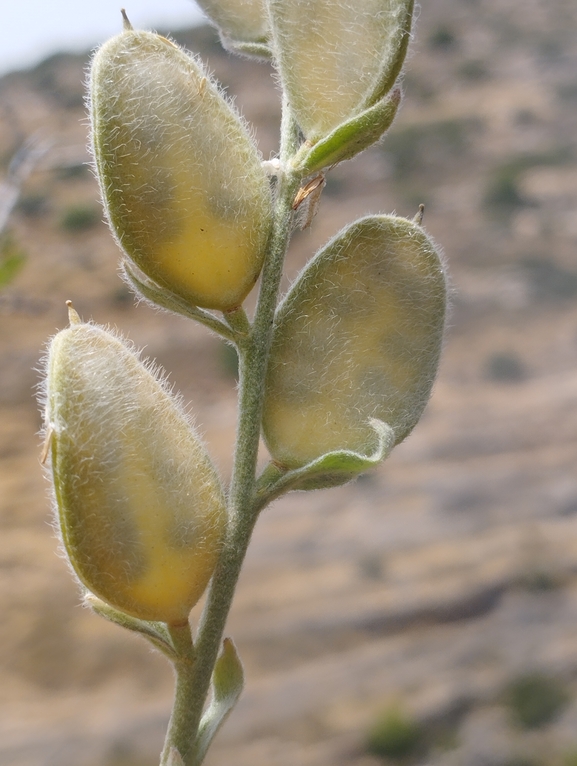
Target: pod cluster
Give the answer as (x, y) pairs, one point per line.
(355, 343)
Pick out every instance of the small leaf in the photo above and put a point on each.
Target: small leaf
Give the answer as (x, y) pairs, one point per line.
(227, 685)
(350, 138)
(163, 298)
(330, 470)
(155, 632)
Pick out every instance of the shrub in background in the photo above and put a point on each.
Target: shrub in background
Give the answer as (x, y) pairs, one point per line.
(395, 735)
(78, 218)
(536, 699)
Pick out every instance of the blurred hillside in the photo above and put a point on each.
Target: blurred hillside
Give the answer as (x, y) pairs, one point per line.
(436, 597)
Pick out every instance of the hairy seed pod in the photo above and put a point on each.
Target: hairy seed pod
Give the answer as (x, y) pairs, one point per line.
(357, 337)
(181, 179)
(140, 506)
(336, 59)
(238, 20)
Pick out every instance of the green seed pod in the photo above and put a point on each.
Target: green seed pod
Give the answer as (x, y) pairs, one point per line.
(240, 22)
(357, 337)
(336, 59)
(181, 179)
(140, 506)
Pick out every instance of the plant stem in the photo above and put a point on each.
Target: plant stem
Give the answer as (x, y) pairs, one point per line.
(192, 691)
(180, 723)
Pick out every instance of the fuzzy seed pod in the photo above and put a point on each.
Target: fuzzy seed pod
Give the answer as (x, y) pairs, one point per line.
(140, 506)
(243, 21)
(180, 176)
(336, 59)
(357, 337)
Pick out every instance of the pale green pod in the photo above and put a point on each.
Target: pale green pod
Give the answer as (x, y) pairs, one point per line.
(239, 21)
(140, 506)
(357, 337)
(336, 59)
(181, 179)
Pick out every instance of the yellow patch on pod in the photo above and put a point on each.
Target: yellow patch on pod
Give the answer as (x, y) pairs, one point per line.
(358, 336)
(180, 176)
(140, 506)
(338, 58)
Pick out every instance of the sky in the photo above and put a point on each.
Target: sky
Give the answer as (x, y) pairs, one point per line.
(30, 30)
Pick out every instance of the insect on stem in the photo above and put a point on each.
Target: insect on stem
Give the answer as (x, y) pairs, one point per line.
(311, 194)
(46, 445)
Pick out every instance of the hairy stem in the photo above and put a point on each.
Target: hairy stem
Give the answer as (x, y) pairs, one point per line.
(253, 352)
(180, 724)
